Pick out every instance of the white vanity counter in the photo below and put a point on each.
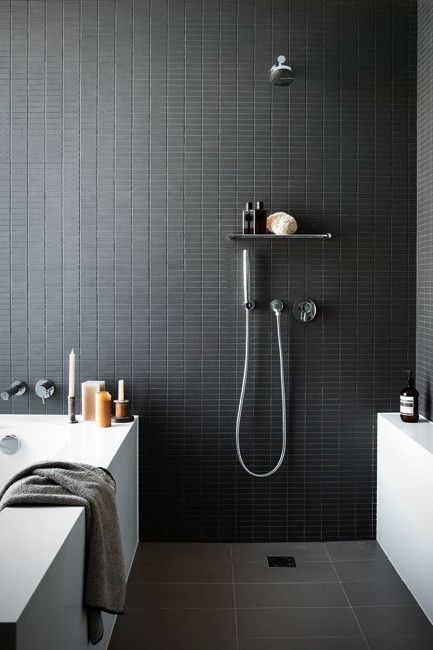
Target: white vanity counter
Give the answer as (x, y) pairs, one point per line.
(405, 502)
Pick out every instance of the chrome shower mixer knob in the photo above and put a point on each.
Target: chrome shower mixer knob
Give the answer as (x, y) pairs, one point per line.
(304, 310)
(44, 389)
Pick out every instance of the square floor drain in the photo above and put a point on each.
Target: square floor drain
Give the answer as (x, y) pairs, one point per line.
(281, 560)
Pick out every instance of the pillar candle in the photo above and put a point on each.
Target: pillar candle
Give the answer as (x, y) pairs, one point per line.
(121, 391)
(103, 409)
(72, 374)
(88, 392)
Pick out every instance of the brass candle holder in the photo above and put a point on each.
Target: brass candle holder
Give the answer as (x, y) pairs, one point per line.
(121, 411)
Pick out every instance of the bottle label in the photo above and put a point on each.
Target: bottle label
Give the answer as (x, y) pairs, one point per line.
(406, 405)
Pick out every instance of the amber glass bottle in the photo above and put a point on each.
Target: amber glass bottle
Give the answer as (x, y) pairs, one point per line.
(409, 400)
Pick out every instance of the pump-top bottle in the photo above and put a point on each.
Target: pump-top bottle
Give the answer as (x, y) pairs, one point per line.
(409, 400)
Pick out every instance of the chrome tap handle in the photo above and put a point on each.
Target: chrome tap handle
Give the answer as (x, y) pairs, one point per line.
(17, 388)
(44, 389)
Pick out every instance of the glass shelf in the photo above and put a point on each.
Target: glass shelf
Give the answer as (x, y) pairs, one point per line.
(239, 235)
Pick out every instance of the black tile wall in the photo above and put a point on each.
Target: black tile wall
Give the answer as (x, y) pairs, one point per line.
(132, 132)
(424, 335)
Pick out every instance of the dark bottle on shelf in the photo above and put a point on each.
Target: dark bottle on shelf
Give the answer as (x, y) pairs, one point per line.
(260, 218)
(409, 400)
(248, 219)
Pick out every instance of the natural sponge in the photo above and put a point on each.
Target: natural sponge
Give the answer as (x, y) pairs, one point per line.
(281, 223)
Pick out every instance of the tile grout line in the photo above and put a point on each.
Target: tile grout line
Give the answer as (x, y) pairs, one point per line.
(347, 598)
(234, 596)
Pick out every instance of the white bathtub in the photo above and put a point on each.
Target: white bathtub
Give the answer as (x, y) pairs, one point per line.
(39, 439)
(42, 548)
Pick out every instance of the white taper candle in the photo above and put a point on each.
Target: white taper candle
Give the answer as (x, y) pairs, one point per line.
(121, 390)
(72, 374)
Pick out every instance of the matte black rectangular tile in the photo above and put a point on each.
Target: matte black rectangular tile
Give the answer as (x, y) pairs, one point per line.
(177, 623)
(257, 572)
(383, 621)
(294, 622)
(401, 642)
(390, 593)
(366, 571)
(181, 552)
(120, 186)
(300, 551)
(143, 594)
(181, 572)
(357, 550)
(300, 643)
(326, 594)
(141, 643)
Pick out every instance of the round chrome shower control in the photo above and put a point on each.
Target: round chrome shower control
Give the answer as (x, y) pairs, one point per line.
(277, 306)
(304, 310)
(10, 444)
(44, 389)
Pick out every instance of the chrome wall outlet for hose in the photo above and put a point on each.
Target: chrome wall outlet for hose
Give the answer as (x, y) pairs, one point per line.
(277, 306)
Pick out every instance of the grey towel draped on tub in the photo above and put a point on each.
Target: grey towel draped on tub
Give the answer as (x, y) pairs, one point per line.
(55, 483)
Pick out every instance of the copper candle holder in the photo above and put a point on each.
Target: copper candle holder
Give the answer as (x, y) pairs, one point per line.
(121, 411)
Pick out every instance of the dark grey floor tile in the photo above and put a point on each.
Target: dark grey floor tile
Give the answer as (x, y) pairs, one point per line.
(391, 593)
(176, 624)
(289, 622)
(143, 594)
(401, 642)
(366, 571)
(302, 551)
(181, 552)
(126, 644)
(302, 643)
(322, 594)
(359, 550)
(303, 572)
(382, 621)
(183, 572)
(172, 644)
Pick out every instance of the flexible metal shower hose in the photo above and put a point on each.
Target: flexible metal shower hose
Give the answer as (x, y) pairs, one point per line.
(242, 396)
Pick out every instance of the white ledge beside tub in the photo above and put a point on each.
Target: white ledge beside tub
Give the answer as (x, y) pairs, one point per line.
(405, 502)
(42, 548)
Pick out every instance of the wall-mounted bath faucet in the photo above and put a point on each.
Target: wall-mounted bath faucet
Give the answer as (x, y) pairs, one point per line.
(17, 388)
(44, 389)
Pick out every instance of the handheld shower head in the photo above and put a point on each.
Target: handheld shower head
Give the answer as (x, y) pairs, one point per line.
(281, 74)
(248, 303)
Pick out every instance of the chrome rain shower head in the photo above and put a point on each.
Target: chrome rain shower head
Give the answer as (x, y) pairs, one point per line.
(282, 74)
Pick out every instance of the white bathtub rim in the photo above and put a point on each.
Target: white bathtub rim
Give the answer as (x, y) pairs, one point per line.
(87, 444)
